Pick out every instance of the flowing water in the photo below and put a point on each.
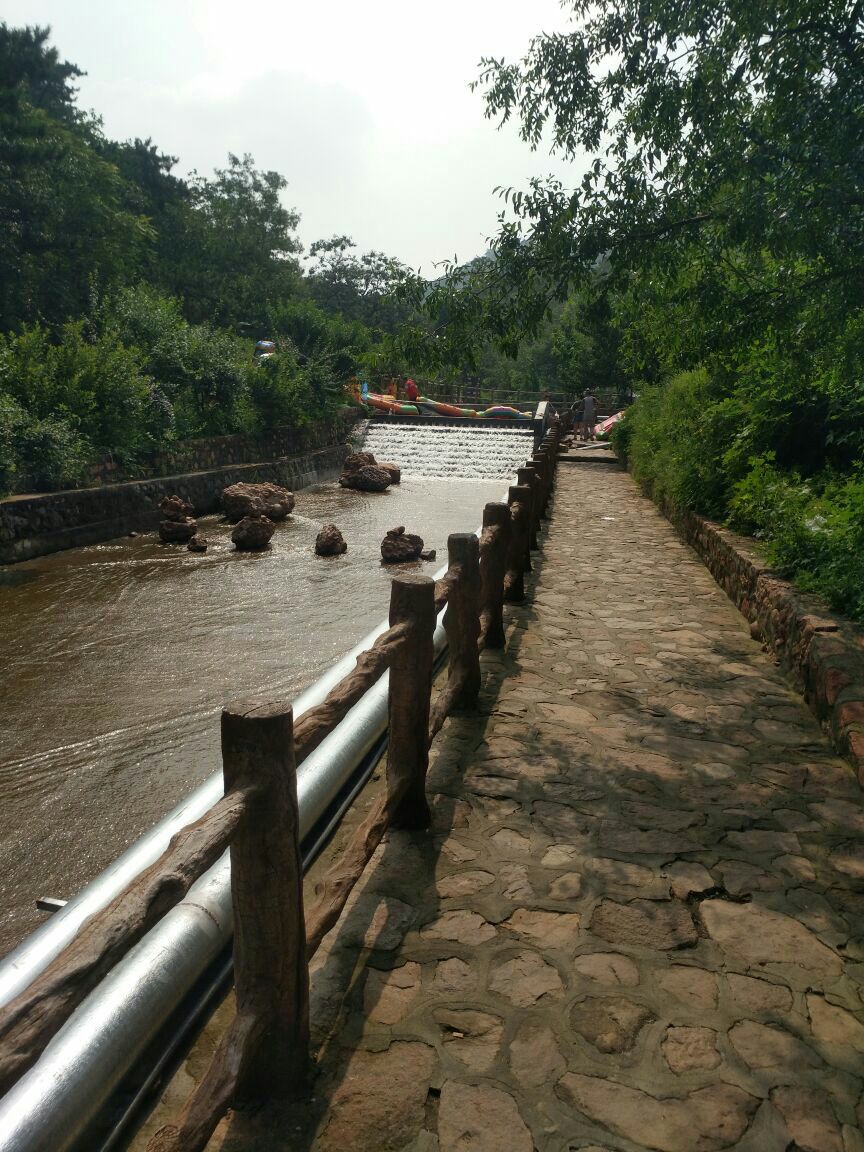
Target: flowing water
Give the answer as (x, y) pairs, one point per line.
(443, 450)
(115, 660)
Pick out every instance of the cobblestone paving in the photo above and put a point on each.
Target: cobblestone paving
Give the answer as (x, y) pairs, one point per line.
(634, 923)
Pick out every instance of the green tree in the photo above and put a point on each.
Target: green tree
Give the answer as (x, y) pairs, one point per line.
(361, 287)
(239, 246)
(724, 135)
(64, 225)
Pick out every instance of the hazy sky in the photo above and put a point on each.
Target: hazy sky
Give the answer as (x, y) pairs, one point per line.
(364, 107)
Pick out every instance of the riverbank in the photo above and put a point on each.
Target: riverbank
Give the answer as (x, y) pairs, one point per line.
(39, 524)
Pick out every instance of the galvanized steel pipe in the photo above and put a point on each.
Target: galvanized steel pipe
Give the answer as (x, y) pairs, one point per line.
(53, 1104)
(21, 967)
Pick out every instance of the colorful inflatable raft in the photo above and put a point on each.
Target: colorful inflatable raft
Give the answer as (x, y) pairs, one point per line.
(437, 408)
(604, 427)
(388, 404)
(383, 403)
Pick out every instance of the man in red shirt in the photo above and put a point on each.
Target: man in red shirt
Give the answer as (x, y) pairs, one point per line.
(411, 390)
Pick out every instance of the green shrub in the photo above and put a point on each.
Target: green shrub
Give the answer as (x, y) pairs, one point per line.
(675, 441)
(95, 385)
(621, 437)
(279, 391)
(38, 454)
(202, 372)
(814, 529)
(691, 445)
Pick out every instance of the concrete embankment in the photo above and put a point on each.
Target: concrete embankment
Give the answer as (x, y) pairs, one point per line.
(35, 525)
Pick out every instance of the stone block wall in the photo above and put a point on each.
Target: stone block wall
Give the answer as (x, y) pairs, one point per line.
(223, 451)
(823, 652)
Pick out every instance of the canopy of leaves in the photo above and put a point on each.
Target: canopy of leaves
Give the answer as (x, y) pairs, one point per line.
(130, 299)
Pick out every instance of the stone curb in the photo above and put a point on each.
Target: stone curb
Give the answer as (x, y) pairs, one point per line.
(823, 652)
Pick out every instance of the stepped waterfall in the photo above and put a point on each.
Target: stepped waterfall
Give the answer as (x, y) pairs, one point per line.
(444, 451)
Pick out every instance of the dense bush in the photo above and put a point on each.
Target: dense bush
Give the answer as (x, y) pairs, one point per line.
(690, 443)
(94, 384)
(37, 453)
(814, 529)
(138, 375)
(675, 440)
(202, 372)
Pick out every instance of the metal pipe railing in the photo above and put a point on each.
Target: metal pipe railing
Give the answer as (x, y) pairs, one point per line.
(21, 966)
(53, 1104)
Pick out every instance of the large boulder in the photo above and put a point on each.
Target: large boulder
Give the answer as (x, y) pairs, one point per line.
(369, 478)
(177, 531)
(253, 533)
(330, 541)
(355, 460)
(270, 500)
(176, 508)
(393, 470)
(399, 546)
(198, 543)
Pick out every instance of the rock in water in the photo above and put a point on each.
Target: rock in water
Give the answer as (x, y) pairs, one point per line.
(393, 470)
(369, 478)
(198, 543)
(178, 525)
(399, 546)
(356, 460)
(176, 508)
(177, 531)
(270, 500)
(253, 533)
(330, 541)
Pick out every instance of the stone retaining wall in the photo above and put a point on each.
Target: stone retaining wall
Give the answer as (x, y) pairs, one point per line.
(823, 652)
(36, 525)
(212, 452)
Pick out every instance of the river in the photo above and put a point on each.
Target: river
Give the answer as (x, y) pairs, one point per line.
(115, 660)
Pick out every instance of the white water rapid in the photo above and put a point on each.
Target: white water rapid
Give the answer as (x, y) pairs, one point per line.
(450, 452)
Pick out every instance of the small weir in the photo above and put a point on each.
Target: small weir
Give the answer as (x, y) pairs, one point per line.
(450, 451)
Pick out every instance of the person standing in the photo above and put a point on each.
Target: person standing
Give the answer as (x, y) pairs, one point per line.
(577, 411)
(589, 414)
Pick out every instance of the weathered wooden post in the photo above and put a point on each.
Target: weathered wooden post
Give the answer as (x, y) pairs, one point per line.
(527, 477)
(412, 601)
(264, 1054)
(494, 548)
(271, 978)
(541, 461)
(519, 553)
(462, 619)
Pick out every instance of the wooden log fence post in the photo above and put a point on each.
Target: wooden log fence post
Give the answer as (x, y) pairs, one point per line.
(519, 553)
(462, 620)
(494, 550)
(543, 462)
(264, 1055)
(412, 602)
(527, 477)
(271, 978)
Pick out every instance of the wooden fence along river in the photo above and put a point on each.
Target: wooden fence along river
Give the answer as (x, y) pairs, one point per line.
(265, 1052)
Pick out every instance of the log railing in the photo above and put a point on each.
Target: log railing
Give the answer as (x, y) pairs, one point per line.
(265, 1052)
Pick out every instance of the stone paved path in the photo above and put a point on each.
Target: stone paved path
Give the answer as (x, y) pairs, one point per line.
(634, 925)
